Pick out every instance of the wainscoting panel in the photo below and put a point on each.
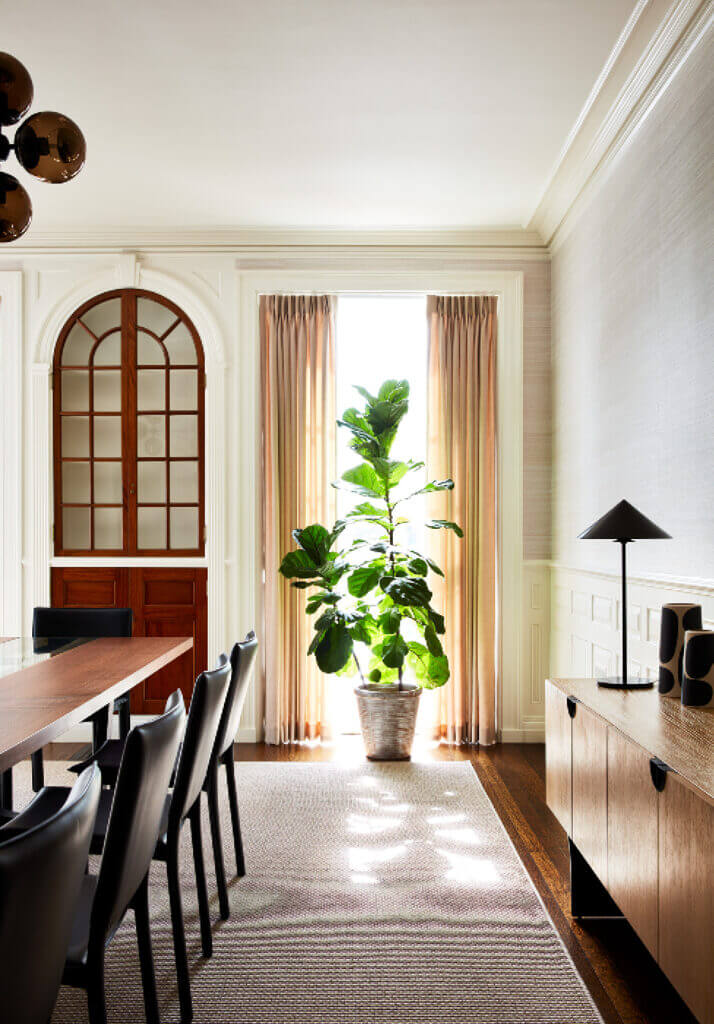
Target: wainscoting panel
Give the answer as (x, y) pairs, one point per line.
(536, 655)
(585, 637)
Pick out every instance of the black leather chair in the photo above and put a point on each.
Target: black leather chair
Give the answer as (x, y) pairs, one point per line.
(64, 624)
(242, 658)
(41, 875)
(207, 703)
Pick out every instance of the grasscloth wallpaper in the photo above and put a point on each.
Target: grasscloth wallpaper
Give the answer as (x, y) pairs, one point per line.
(633, 341)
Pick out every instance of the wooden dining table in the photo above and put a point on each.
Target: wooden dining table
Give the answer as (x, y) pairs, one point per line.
(46, 687)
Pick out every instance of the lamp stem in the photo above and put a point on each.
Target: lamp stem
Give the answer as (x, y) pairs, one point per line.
(624, 610)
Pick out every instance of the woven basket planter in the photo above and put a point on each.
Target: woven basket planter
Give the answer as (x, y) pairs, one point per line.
(388, 719)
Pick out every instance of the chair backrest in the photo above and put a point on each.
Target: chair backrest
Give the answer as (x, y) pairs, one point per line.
(242, 658)
(41, 873)
(68, 623)
(204, 714)
(139, 797)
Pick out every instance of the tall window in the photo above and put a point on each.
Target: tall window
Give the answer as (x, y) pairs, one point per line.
(380, 337)
(128, 429)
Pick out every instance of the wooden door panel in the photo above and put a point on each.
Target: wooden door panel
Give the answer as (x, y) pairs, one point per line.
(632, 859)
(590, 789)
(170, 602)
(104, 587)
(558, 756)
(686, 895)
(166, 602)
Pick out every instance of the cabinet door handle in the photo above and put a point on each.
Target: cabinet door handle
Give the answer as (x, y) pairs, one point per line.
(572, 703)
(658, 771)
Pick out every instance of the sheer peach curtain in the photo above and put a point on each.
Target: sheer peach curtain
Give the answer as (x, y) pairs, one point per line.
(299, 462)
(462, 445)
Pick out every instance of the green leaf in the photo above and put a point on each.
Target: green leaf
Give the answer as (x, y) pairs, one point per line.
(390, 621)
(365, 394)
(334, 649)
(361, 632)
(364, 480)
(365, 509)
(390, 471)
(406, 590)
(361, 581)
(384, 417)
(314, 643)
(438, 619)
(394, 650)
(326, 619)
(418, 566)
(433, 566)
(433, 642)
(431, 671)
(438, 672)
(302, 584)
(445, 524)
(300, 564)
(315, 540)
(393, 391)
(375, 675)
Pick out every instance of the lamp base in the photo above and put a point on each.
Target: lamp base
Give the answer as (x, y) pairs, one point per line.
(618, 683)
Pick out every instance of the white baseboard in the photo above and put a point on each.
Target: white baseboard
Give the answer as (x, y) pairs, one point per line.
(531, 734)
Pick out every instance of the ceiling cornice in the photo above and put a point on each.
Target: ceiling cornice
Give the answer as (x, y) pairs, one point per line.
(247, 243)
(656, 41)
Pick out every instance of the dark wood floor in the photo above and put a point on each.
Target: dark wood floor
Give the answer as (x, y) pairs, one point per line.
(622, 977)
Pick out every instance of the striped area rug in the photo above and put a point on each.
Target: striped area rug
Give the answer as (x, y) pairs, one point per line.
(375, 894)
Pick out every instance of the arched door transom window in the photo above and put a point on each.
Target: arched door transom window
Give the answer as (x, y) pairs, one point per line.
(129, 389)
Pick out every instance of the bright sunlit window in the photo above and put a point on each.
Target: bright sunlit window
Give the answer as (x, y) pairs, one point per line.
(380, 337)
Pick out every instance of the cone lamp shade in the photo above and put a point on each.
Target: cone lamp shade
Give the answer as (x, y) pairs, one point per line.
(624, 524)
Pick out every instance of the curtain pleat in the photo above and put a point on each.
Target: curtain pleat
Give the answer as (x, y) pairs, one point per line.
(297, 336)
(462, 445)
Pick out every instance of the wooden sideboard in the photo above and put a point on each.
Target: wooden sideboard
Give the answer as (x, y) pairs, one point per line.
(630, 777)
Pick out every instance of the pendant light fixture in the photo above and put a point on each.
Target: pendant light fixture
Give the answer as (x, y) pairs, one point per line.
(47, 145)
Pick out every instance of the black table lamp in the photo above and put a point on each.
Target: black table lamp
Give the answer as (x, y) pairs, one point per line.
(624, 524)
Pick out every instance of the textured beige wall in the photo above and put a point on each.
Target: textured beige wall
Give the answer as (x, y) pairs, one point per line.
(633, 341)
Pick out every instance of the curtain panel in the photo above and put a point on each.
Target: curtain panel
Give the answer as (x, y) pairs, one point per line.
(297, 338)
(462, 445)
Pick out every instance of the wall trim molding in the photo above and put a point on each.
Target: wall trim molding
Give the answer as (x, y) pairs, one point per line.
(656, 41)
(258, 243)
(690, 584)
(11, 375)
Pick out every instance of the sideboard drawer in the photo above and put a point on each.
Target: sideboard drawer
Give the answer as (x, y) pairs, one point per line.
(589, 831)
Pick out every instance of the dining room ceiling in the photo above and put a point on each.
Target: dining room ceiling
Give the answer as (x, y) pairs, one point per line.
(319, 113)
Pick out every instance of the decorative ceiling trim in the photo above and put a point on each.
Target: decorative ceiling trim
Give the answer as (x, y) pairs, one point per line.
(253, 242)
(656, 41)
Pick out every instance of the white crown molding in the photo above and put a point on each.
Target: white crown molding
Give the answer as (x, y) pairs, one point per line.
(654, 44)
(259, 244)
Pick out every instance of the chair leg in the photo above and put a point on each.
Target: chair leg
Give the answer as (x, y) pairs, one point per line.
(38, 771)
(203, 911)
(124, 719)
(235, 817)
(6, 790)
(143, 934)
(96, 1001)
(184, 982)
(100, 729)
(217, 846)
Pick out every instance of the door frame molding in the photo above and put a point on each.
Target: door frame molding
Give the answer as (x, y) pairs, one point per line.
(381, 277)
(128, 272)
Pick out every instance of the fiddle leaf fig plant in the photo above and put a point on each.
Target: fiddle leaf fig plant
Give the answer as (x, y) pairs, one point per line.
(368, 590)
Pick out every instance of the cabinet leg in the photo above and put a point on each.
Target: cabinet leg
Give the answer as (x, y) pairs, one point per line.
(588, 896)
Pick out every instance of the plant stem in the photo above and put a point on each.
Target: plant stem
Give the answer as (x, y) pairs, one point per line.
(359, 669)
(390, 515)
